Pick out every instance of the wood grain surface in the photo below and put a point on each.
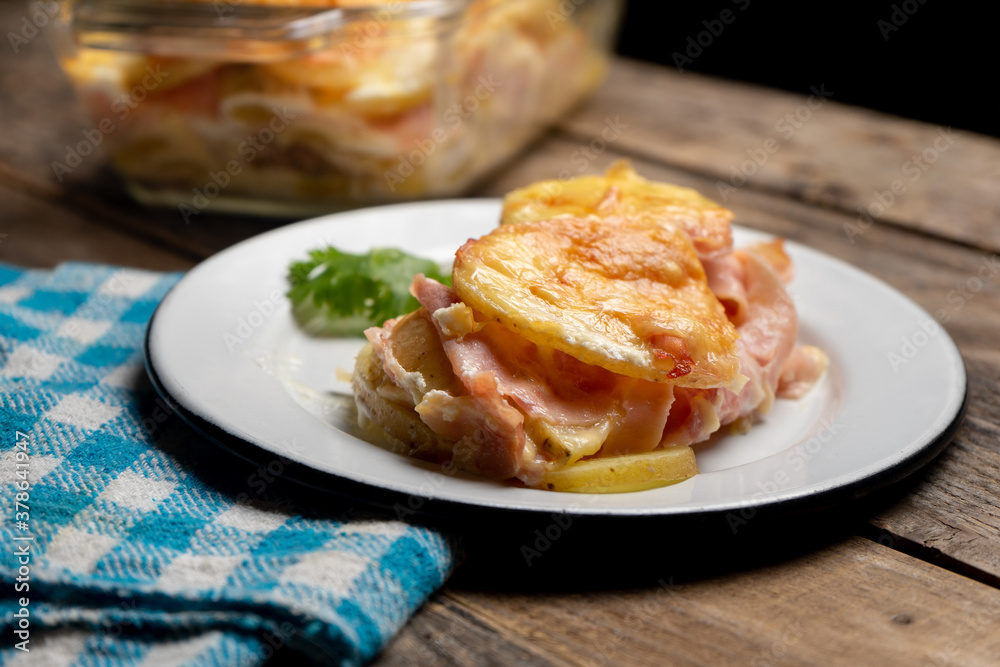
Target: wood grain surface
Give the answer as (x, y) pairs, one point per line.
(909, 580)
(862, 602)
(821, 151)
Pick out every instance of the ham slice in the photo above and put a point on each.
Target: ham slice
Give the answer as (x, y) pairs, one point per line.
(561, 398)
(768, 326)
(727, 280)
(515, 409)
(803, 368)
(488, 432)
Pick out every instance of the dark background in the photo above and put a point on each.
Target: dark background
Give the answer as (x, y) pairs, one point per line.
(940, 66)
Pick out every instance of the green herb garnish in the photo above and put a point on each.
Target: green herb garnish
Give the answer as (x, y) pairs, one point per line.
(336, 293)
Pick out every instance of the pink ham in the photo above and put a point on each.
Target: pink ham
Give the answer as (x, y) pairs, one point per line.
(767, 323)
(727, 280)
(551, 385)
(803, 368)
(503, 381)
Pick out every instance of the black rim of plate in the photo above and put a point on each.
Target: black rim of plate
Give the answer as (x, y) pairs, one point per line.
(451, 511)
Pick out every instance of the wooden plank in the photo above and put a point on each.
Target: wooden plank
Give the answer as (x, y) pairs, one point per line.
(956, 499)
(40, 111)
(934, 521)
(41, 234)
(907, 261)
(856, 602)
(674, 120)
(107, 205)
(446, 632)
(833, 155)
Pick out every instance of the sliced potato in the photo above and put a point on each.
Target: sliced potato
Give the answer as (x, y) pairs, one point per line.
(622, 474)
(630, 297)
(622, 191)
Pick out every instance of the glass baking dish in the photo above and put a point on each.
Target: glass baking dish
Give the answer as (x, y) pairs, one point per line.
(296, 107)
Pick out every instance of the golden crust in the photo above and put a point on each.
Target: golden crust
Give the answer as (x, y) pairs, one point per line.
(623, 192)
(623, 293)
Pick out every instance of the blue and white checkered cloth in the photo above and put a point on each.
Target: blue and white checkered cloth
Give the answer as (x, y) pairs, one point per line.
(126, 552)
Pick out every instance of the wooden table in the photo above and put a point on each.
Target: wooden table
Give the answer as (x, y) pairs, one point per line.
(906, 578)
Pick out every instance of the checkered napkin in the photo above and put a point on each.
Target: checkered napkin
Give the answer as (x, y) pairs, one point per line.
(139, 544)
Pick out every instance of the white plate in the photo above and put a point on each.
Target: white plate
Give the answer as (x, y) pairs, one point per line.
(224, 347)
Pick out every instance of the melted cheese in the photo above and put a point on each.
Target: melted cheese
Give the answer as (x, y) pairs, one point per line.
(630, 297)
(597, 325)
(623, 192)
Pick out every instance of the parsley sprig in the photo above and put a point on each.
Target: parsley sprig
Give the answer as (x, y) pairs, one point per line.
(335, 293)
